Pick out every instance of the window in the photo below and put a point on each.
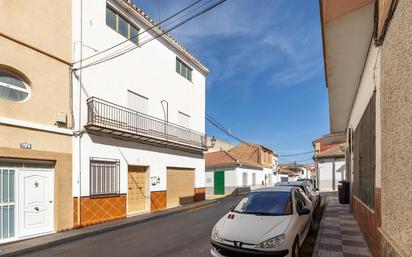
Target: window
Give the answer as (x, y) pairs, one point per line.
(364, 156)
(121, 25)
(300, 203)
(104, 177)
(265, 203)
(13, 88)
(137, 102)
(244, 179)
(183, 69)
(184, 120)
(7, 203)
(254, 179)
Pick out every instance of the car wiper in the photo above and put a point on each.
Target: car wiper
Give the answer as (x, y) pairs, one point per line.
(262, 213)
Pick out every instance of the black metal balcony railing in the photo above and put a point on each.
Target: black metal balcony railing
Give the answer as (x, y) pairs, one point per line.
(111, 118)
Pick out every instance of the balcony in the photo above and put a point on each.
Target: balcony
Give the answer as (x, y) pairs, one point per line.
(124, 123)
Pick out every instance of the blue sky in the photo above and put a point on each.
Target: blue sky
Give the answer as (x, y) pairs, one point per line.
(266, 79)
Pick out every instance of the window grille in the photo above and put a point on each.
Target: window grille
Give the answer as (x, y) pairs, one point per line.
(364, 156)
(104, 177)
(7, 203)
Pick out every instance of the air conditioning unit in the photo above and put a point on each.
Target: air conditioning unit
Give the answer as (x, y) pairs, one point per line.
(61, 119)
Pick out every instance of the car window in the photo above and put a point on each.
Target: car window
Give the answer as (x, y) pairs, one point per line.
(265, 203)
(300, 203)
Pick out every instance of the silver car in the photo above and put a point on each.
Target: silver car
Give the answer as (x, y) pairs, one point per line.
(307, 187)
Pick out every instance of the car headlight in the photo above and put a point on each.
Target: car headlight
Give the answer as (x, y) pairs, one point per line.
(215, 236)
(273, 242)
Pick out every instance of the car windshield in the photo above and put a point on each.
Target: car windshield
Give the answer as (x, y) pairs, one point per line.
(265, 203)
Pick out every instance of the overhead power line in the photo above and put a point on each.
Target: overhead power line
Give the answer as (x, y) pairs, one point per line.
(140, 33)
(218, 125)
(122, 52)
(296, 154)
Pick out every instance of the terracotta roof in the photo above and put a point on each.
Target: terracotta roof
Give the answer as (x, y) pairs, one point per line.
(160, 30)
(337, 150)
(226, 158)
(286, 171)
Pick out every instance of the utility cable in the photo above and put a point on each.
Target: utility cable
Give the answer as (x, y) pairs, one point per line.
(157, 36)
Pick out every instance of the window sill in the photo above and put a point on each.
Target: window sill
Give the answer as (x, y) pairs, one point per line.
(105, 195)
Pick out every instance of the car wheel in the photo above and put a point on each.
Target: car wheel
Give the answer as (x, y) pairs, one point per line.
(295, 248)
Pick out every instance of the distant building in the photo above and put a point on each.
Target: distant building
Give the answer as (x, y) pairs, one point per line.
(243, 168)
(219, 145)
(330, 161)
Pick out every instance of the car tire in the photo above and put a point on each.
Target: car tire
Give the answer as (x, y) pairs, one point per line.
(295, 248)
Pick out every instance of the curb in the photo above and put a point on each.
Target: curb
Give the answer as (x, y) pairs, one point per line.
(72, 238)
(320, 231)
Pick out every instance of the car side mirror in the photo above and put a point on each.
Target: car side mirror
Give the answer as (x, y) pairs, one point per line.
(304, 211)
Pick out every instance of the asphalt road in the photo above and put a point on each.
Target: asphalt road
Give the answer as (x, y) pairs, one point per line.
(185, 234)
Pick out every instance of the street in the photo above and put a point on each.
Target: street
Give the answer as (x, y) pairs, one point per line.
(185, 234)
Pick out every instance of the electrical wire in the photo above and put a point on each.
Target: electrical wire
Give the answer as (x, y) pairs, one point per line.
(296, 154)
(145, 31)
(153, 38)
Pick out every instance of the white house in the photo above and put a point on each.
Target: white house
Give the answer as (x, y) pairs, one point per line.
(330, 161)
(245, 167)
(140, 117)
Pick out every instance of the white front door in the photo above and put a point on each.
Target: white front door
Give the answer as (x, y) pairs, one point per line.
(35, 205)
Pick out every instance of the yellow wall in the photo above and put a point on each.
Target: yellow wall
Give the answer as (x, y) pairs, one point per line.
(49, 81)
(43, 24)
(35, 43)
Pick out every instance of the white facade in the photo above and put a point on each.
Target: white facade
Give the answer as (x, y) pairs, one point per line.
(148, 73)
(330, 172)
(241, 179)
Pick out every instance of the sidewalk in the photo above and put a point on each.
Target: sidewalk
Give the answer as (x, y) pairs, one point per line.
(43, 242)
(339, 234)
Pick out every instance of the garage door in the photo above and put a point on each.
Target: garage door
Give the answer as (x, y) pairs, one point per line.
(180, 186)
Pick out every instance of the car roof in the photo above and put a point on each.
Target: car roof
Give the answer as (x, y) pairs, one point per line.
(275, 189)
(292, 183)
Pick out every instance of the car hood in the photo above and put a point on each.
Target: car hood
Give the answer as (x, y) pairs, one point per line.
(252, 229)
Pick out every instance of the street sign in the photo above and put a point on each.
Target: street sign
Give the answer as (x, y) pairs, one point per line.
(312, 166)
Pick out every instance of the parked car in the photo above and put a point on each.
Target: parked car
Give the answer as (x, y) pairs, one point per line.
(266, 222)
(307, 187)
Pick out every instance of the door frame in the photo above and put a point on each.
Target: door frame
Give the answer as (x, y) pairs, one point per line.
(147, 192)
(17, 187)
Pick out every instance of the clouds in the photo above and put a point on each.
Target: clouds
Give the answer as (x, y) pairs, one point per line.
(266, 67)
(274, 37)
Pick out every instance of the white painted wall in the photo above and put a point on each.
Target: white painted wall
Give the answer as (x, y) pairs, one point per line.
(148, 71)
(326, 173)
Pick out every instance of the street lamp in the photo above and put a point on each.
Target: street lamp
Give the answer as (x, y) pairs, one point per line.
(213, 142)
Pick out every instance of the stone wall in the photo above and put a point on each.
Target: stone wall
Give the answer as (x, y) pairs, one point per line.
(396, 148)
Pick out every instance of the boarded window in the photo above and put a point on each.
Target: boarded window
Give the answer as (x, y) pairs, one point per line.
(244, 179)
(364, 157)
(137, 102)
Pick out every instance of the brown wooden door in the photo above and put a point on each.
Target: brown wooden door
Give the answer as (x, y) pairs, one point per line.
(180, 186)
(137, 182)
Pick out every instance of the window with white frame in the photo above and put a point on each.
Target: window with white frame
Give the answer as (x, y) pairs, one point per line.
(104, 176)
(7, 203)
(184, 120)
(137, 102)
(183, 69)
(12, 87)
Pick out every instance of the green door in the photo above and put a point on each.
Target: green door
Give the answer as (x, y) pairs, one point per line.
(219, 178)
